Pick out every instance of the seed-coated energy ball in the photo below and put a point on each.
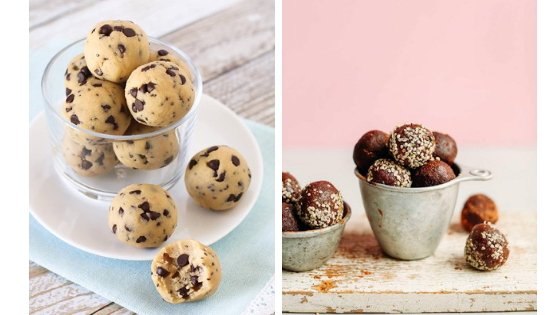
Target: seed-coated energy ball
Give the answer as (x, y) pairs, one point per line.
(289, 222)
(412, 145)
(446, 148)
(478, 209)
(290, 188)
(432, 173)
(371, 146)
(320, 205)
(486, 248)
(387, 172)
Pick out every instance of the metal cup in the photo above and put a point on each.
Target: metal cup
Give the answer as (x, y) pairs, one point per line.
(409, 223)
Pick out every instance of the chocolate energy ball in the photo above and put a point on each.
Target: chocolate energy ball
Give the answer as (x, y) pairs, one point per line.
(320, 205)
(387, 172)
(486, 248)
(412, 145)
(478, 209)
(290, 189)
(289, 222)
(446, 148)
(371, 146)
(433, 173)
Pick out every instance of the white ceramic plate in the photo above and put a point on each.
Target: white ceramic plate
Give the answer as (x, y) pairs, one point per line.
(82, 222)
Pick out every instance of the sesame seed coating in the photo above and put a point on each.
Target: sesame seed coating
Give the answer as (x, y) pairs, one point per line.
(320, 205)
(290, 189)
(387, 172)
(412, 145)
(486, 247)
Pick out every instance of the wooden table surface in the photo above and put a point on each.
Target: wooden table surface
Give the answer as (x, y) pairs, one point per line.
(232, 44)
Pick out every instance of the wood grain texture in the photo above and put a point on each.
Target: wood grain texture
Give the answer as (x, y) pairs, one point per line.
(42, 12)
(359, 278)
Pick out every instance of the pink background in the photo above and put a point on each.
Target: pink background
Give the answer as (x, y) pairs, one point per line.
(467, 68)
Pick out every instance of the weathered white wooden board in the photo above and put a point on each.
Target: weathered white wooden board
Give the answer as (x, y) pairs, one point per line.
(361, 279)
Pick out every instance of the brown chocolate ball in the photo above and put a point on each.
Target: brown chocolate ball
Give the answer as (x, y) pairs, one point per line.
(371, 146)
(289, 222)
(320, 205)
(412, 145)
(290, 188)
(433, 173)
(478, 209)
(446, 148)
(388, 172)
(486, 248)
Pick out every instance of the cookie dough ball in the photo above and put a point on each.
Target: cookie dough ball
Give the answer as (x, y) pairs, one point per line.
(433, 173)
(159, 94)
(142, 215)
(88, 160)
(186, 271)
(371, 146)
(486, 248)
(412, 145)
(446, 148)
(478, 209)
(113, 49)
(147, 154)
(164, 55)
(99, 107)
(290, 188)
(320, 205)
(77, 74)
(387, 172)
(217, 177)
(289, 221)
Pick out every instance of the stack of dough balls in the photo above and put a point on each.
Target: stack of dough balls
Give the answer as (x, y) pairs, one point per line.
(118, 86)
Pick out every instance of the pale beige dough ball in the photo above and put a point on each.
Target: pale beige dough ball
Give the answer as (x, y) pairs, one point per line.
(164, 55)
(88, 160)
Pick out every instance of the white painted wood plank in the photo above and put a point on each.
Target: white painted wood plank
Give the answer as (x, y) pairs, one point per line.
(360, 278)
(44, 11)
(155, 17)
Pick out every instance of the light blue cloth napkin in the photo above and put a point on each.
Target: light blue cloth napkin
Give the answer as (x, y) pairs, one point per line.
(246, 254)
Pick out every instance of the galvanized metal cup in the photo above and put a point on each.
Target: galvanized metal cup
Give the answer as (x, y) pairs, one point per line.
(409, 223)
(307, 250)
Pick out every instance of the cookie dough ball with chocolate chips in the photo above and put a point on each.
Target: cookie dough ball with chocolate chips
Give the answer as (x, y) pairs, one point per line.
(164, 55)
(147, 154)
(371, 147)
(159, 94)
(486, 248)
(478, 209)
(290, 188)
(77, 74)
(217, 177)
(433, 173)
(289, 221)
(412, 145)
(186, 271)
(142, 215)
(387, 172)
(88, 160)
(446, 148)
(99, 107)
(320, 205)
(113, 49)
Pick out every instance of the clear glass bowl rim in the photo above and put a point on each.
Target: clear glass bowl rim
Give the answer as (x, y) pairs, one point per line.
(182, 55)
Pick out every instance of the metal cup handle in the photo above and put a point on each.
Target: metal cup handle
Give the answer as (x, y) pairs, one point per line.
(473, 174)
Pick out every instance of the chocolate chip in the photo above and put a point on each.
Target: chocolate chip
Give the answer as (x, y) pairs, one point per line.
(238, 197)
(222, 177)
(105, 30)
(168, 160)
(230, 198)
(70, 98)
(235, 160)
(183, 292)
(127, 228)
(162, 272)
(99, 72)
(165, 239)
(165, 212)
(145, 216)
(176, 274)
(154, 215)
(85, 152)
(144, 206)
(129, 32)
(192, 163)
(110, 120)
(86, 165)
(81, 77)
(122, 49)
(137, 106)
(215, 165)
(148, 146)
(114, 228)
(68, 109)
(99, 160)
(146, 68)
(141, 239)
(118, 28)
(162, 52)
(170, 72)
(137, 192)
(85, 71)
(151, 86)
(68, 91)
(74, 119)
(143, 88)
(134, 92)
(97, 85)
(121, 211)
(183, 79)
(183, 260)
(106, 108)
(68, 77)
(142, 156)
(195, 284)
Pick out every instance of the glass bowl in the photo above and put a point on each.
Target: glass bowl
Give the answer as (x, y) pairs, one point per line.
(103, 182)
